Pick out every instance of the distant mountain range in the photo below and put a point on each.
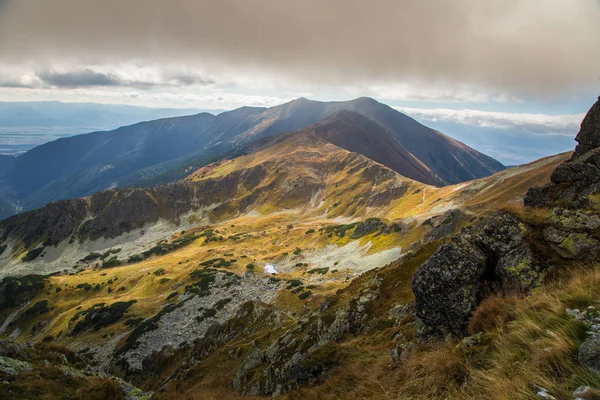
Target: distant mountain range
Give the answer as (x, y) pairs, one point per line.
(25, 125)
(103, 116)
(165, 150)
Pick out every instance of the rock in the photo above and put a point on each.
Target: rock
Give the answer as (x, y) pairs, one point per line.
(13, 350)
(589, 135)
(443, 225)
(400, 351)
(133, 393)
(400, 311)
(586, 393)
(367, 227)
(589, 354)
(471, 341)
(575, 313)
(449, 285)
(575, 179)
(323, 306)
(10, 366)
(570, 219)
(542, 393)
(571, 245)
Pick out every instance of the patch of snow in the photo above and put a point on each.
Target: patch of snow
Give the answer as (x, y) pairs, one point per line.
(270, 269)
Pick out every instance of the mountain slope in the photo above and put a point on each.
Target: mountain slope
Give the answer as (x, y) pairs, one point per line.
(354, 132)
(79, 166)
(451, 160)
(301, 173)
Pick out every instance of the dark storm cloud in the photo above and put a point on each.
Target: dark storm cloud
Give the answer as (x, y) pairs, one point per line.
(535, 46)
(85, 77)
(128, 75)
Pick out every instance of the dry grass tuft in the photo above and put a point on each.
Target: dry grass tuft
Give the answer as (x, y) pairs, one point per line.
(492, 314)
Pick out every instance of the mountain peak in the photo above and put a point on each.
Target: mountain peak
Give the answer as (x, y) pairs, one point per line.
(364, 100)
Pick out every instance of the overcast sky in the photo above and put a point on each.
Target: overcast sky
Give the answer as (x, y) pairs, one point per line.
(472, 61)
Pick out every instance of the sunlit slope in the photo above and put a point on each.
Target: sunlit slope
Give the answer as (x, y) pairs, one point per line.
(305, 171)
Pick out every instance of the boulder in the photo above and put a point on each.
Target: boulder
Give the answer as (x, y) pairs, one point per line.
(447, 286)
(451, 283)
(589, 354)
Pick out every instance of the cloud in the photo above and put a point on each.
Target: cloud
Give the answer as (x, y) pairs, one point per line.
(515, 48)
(540, 124)
(129, 74)
(142, 97)
(85, 77)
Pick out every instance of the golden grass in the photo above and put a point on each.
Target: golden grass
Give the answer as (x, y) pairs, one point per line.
(527, 342)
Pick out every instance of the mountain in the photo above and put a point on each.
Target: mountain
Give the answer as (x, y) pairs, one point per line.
(385, 286)
(302, 173)
(51, 114)
(164, 150)
(354, 132)
(25, 125)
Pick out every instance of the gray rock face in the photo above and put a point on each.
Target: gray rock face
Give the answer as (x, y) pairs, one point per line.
(589, 354)
(193, 317)
(11, 366)
(589, 135)
(301, 355)
(443, 225)
(571, 233)
(451, 283)
(446, 286)
(572, 181)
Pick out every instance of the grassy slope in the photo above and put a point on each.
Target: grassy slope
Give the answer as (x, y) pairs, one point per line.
(269, 237)
(527, 342)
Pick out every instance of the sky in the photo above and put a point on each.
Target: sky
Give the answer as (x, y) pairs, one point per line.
(480, 70)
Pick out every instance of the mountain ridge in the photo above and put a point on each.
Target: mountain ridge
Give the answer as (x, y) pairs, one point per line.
(99, 160)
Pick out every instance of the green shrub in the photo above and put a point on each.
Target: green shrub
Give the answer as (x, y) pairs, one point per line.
(33, 254)
(305, 295)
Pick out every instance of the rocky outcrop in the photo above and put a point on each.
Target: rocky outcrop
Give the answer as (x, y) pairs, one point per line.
(41, 366)
(442, 225)
(451, 283)
(307, 353)
(589, 135)
(111, 213)
(573, 181)
(503, 253)
(214, 297)
(571, 233)
(368, 226)
(589, 350)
